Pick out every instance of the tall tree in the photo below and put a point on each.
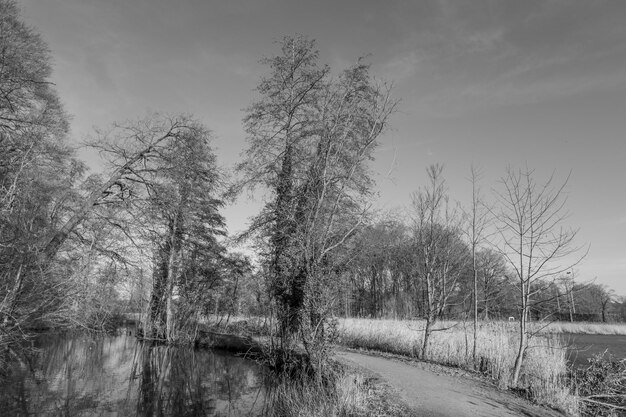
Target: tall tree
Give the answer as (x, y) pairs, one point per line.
(168, 168)
(37, 174)
(535, 242)
(310, 137)
(28, 101)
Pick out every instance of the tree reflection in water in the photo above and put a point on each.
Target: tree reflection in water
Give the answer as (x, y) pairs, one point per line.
(83, 375)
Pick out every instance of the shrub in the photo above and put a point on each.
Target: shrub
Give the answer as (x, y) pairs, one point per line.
(602, 385)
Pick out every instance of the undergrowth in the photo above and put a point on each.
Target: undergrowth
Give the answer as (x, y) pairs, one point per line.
(341, 394)
(601, 386)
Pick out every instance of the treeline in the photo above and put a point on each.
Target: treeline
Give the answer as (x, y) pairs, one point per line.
(379, 283)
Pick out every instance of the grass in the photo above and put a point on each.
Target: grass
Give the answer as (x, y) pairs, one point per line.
(349, 394)
(582, 328)
(306, 398)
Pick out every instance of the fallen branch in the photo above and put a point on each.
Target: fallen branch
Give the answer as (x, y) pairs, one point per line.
(603, 404)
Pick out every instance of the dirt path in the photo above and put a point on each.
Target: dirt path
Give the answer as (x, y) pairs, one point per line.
(434, 394)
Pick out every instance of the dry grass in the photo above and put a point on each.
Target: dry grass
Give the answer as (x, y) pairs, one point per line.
(351, 395)
(582, 328)
(543, 375)
(307, 399)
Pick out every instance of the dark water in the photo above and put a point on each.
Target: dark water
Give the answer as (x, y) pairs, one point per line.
(83, 375)
(580, 347)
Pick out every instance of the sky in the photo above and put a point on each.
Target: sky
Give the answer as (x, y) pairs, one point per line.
(538, 84)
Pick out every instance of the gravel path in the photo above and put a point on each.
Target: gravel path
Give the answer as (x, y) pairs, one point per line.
(434, 394)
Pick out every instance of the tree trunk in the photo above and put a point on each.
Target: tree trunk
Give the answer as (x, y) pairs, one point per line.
(154, 320)
(169, 308)
(176, 236)
(8, 304)
(427, 332)
(475, 301)
(522, 343)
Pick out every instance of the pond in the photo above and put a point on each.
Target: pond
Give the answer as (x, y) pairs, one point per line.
(86, 375)
(580, 347)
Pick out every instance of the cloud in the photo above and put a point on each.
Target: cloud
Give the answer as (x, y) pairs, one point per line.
(496, 53)
(402, 67)
(98, 69)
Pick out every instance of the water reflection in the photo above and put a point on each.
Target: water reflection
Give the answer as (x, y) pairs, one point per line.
(82, 375)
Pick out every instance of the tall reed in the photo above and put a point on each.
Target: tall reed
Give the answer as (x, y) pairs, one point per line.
(347, 395)
(580, 328)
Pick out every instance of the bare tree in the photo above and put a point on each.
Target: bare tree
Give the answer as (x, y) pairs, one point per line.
(593, 301)
(168, 169)
(567, 280)
(537, 245)
(440, 254)
(495, 288)
(375, 269)
(477, 222)
(132, 145)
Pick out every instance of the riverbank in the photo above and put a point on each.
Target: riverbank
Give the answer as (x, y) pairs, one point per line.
(545, 378)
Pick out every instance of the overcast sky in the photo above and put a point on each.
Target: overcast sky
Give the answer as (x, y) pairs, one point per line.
(493, 83)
